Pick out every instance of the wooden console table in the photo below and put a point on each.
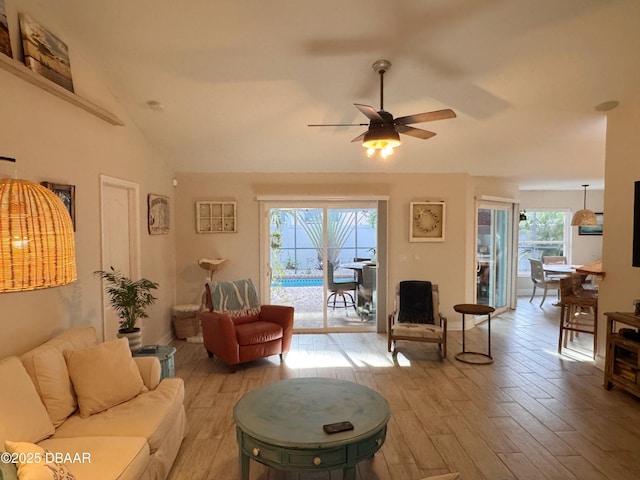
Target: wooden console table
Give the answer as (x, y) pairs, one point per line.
(623, 354)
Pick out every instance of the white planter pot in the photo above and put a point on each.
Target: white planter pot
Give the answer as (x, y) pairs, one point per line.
(135, 339)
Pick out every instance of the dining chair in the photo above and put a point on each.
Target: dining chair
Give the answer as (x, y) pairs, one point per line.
(554, 260)
(541, 279)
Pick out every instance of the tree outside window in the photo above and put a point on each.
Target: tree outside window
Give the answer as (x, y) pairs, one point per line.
(543, 233)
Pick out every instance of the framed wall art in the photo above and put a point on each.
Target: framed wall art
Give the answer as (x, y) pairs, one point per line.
(66, 193)
(44, 53)
(158, 214)
(594, 230)
(216, 217)
(426, 221)
(5, 40)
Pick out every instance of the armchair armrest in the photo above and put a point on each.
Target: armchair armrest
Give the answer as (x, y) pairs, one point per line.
(443, 322)
(283, 316)
(219, 335)
(149, 371)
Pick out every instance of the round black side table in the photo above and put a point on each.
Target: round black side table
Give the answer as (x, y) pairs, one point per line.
(475, 357)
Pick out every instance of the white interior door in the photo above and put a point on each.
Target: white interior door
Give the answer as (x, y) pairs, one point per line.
(120, 237)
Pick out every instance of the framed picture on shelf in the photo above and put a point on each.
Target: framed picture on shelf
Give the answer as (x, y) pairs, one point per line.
(66, 193)
(5, 40)
(594, 230)
(44, 53)
(426, 221)
(158, 214)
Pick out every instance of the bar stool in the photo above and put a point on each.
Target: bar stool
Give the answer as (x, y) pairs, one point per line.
(574, 299)
(465, 356)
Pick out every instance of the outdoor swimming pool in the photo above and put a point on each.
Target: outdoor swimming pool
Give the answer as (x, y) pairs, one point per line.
(298, 282)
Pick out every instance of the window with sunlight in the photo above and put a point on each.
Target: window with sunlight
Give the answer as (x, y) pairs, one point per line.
(543, 233)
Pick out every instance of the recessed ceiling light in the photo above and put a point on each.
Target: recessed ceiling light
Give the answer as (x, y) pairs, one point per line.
(155, 105)
(608, 105)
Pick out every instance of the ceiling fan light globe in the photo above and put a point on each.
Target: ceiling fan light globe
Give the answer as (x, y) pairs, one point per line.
(370, 152)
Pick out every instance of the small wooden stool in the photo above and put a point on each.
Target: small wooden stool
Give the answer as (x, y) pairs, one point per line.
(475, 309)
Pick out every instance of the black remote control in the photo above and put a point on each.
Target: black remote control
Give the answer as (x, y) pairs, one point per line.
(337, 427)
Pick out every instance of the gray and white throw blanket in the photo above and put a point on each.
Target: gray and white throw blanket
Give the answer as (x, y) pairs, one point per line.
(236, 298)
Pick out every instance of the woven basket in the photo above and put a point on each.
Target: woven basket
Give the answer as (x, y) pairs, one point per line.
(186, 326)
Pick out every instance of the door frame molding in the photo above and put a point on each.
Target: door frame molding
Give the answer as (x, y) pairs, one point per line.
(133, 192)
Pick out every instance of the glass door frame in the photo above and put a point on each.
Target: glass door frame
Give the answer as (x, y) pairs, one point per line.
(266, 204)
(511, 245)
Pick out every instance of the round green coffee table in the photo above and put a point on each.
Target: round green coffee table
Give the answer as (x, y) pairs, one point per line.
(280, 425)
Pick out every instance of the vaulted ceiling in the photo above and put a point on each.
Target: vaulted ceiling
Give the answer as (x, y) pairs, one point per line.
(240, 80)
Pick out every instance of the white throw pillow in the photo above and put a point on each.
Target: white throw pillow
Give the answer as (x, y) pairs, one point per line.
(22, 414)
(33, 465)
(103, 376)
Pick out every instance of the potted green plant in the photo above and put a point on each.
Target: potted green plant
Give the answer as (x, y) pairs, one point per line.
(129, 299)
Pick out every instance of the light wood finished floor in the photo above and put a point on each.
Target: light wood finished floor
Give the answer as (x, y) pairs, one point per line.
(530, 415)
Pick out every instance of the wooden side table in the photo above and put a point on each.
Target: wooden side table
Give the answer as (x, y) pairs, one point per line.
(165, 354)
(280, 425)
(475, 357)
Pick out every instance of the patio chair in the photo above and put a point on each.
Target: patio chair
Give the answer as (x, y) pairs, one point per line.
(415, 317)
(340, 288)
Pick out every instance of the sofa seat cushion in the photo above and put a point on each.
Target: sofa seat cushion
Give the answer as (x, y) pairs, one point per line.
(23, 417)
(417, 330)
(110, 458)
(258, 332)
(150, 415)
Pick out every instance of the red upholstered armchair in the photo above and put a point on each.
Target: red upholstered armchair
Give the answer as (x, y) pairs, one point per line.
(238, 337)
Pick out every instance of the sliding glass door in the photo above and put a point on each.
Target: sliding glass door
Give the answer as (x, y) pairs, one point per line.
(322, 260)
(494, 254)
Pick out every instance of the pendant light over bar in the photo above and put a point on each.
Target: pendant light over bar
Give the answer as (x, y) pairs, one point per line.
(37, 245)
(584, 217)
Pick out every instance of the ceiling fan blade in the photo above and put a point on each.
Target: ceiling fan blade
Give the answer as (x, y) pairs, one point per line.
(415, 132)
(369, 112)
(426, 117)
(359, 138)
(337, 125)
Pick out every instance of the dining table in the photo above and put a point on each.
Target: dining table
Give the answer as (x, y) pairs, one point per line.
(558, 269)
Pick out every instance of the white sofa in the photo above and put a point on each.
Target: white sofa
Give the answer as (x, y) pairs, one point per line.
(52, 397)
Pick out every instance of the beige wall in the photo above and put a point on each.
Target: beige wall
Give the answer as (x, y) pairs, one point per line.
(622, 282)
(444, 263)
(58, 142)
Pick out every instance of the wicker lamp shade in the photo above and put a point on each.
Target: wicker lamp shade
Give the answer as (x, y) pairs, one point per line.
(584, 218)
(38, 246)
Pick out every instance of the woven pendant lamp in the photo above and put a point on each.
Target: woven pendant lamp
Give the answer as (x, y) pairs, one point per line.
(38, 246)
(584, 217)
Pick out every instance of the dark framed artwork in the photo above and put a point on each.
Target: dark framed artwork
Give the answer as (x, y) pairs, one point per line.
(66, 193)
(158, 214)
(44, 53)
(594, 230)
(5, 40)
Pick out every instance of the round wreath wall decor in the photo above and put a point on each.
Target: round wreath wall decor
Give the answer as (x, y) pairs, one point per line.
(427, 222)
